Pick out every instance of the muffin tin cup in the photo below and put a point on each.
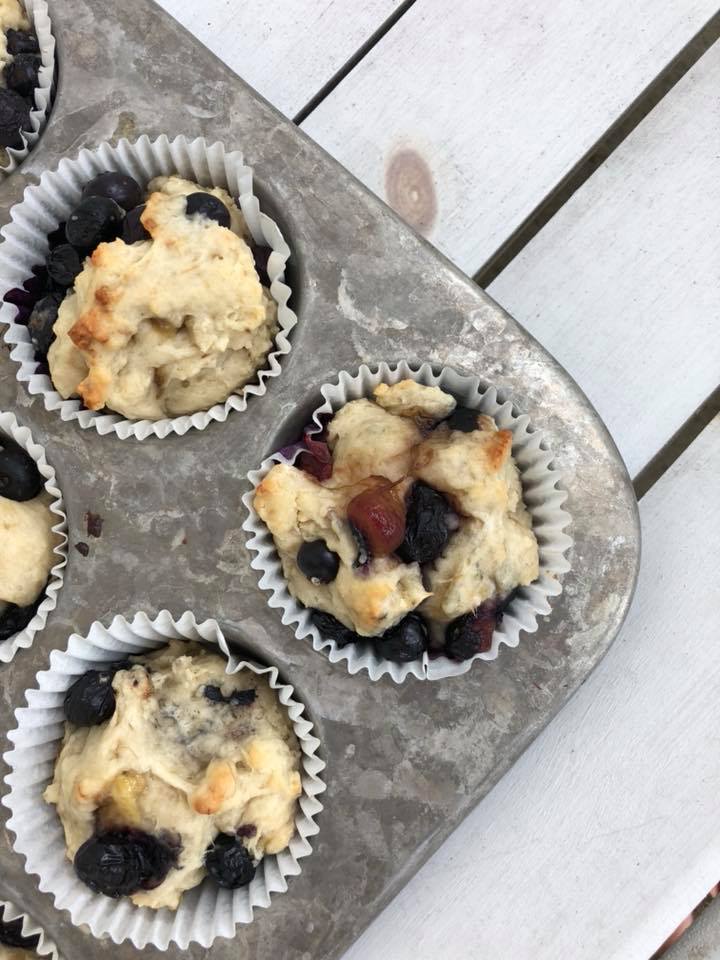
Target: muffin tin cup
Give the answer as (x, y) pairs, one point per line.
(49, 202)
(541, 492)
(45, 947)
(206, 911)
(39, 17)
(9, 427)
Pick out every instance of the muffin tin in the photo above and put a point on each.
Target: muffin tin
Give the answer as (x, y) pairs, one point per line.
(405, 762)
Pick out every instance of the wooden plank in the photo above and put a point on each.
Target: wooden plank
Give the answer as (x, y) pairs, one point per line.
(287, 50)
(623, 284)
(466, 115)
(604, 834)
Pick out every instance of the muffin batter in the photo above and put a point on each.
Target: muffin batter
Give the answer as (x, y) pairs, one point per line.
(396, 437)
(27, 554)
(165, 326)
(180, 760)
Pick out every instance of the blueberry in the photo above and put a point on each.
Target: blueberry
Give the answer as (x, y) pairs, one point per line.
(119, 187)
(91, 699)
(63, 264)
(42, 320)
(426, 527)
(14, 117)
(21, 75)
(406, 641)
(11, 934)
(13, 619)
(472, 632)
(208, 206)
(19, 476)
(261, 255)
(317, 562)
(132, 228)
(93, 221)
(463, 419)
(57, 236)
(120, 862)
(332, 629)
(228, 862)
(19, 41)
(238, 698)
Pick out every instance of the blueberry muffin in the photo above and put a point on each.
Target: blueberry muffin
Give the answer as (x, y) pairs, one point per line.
(403, 525)
(19, 66)
(13, 945)
(28, 541)
(150, 303)
(172, 770)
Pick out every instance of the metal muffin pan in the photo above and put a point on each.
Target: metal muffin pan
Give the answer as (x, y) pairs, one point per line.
(405, 763)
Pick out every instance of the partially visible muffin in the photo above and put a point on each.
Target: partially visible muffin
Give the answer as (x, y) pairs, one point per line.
(19, 66)
(404, 524)
(28, 542)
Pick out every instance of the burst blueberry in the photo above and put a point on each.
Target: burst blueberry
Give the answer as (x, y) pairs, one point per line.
(14, 117)
(63, 265)
(20, 41)
(426, 525)
(118, 863)
(42, 321)
(132, 227)
(21, 74)
(228, 862)
(13, 619)
(331, 628)
(464, 419)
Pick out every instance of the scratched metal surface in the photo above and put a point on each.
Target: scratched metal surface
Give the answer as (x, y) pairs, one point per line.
(405, 763)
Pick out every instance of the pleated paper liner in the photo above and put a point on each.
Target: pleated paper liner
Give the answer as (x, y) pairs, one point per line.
(9, 427)
(206, 911)
(543, 498)
(50, 202)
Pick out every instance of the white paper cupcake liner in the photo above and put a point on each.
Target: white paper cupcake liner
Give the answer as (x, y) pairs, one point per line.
(22, 436)
(541, 493)
(45, 948)
(50, 202)
(37, 13)
(206, 911)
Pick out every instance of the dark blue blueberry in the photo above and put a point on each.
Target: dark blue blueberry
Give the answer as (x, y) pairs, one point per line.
(237, 698)
(317, 562)
(228, 862)
(332, 629)
(42, 321)
(406, 641)
(261, 255)
(95, 220)
(13, 619)
(208, 206)
(20, 41)
(19, 476)
(14, 117)
(63, 264)
(11, 934)
(426, 525)
(21, 74)
(463, 419)
(120, 187)
(132, 228)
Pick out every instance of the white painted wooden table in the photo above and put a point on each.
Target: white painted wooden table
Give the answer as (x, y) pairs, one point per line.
(469, 117)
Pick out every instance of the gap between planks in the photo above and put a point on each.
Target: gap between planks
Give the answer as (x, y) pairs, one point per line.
(352, 62)
(594, 158)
